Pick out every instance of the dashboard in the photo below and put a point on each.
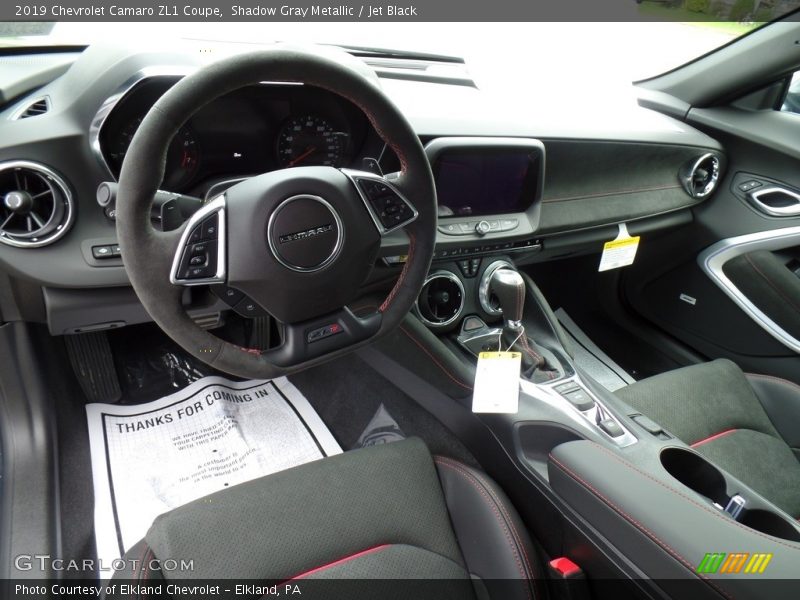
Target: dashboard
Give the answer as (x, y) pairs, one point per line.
(514, 185)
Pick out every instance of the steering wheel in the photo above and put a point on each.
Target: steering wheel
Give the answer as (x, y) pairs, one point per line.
(297, 242)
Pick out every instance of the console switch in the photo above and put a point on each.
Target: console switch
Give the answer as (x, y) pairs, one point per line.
(611, 427)
(580, 399)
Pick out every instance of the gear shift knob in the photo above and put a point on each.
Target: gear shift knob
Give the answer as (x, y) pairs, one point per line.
(509, 288)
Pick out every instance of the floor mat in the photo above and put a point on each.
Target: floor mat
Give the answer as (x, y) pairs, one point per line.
(150, 458)
(592, 359)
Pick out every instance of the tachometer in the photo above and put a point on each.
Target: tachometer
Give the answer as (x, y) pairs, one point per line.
(310, 140)
(183, 155)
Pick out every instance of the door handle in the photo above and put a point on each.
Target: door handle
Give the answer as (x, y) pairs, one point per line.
(776, 201)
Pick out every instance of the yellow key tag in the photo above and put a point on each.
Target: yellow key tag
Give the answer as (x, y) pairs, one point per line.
(619, 252)
(497, 383)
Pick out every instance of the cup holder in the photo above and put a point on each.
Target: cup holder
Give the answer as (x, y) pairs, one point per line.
(696, 473)
(770, 523)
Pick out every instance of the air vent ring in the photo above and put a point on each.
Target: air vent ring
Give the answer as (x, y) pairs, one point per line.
(36, 205)
(441, 300)
(700, 177)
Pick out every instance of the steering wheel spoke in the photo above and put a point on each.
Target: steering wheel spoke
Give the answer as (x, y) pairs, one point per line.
(386, 204)
(323, 335)
(201, 254)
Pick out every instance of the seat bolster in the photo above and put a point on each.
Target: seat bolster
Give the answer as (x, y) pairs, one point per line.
(781, 401)
(140, 566)
(493, 539)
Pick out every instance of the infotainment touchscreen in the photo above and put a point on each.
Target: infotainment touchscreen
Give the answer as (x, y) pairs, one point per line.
(486, 181)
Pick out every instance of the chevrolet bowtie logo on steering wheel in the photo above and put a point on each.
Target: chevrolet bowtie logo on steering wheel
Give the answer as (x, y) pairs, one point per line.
(302, 235)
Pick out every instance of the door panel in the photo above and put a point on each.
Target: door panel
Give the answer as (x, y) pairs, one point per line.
(728, 288)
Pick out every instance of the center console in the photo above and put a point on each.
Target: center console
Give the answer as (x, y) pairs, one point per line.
(655, 506)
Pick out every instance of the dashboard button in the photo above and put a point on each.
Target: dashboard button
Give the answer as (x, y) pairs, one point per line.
(101, 252)
(508, 224)
(494, 225)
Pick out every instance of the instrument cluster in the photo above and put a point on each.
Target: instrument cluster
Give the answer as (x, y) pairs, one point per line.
(247, 132)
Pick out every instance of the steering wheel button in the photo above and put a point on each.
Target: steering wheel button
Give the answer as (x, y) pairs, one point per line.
(198, 260)
(210, 227)
(228, 295)
(199, 249)
(196, 235)
(248, 308)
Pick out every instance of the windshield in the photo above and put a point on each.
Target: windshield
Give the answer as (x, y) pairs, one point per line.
(536, 56)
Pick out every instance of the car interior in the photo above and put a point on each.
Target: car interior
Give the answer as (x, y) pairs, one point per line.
(366, 225)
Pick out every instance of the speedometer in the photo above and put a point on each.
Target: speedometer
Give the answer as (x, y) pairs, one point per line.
(310, 140)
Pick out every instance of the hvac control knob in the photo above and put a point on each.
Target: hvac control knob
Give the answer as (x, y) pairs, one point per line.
(482, 228)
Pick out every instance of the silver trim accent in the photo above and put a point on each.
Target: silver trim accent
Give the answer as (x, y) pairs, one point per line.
(781, 211)
(339, 234)
(111, 102)
(69, 216)
(217, 205)
(483, 289)
(442, 274)
(354, 176)
(545, 392)
(713, 259)
(26, 104)
(226, 183)
(686, 176)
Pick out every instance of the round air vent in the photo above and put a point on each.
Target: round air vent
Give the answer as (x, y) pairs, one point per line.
(489, 302)
(441, 300)
(699, 177)
(36, 205)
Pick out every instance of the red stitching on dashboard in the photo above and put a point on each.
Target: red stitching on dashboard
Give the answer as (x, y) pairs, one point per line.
(613, 193)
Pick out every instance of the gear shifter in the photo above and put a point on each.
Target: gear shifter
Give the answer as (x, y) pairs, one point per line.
(509, 288)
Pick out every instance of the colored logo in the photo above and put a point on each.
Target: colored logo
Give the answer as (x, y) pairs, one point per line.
(735, 562)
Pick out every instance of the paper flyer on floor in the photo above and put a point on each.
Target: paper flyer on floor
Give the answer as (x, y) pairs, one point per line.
(150, 458)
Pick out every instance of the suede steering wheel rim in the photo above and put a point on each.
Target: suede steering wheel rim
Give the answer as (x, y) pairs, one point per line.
(272, 244)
